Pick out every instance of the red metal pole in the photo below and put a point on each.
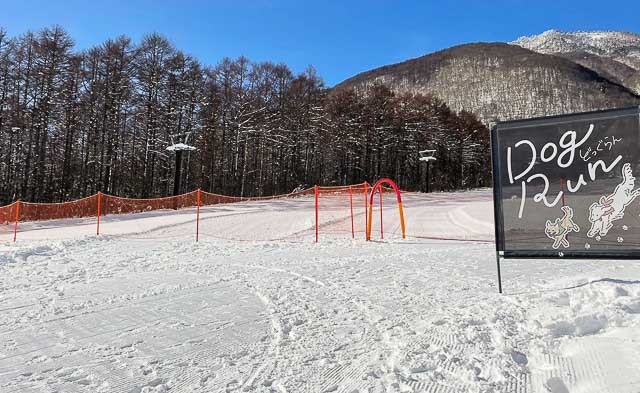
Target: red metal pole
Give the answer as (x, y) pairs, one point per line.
(353, 231)
(198, 217)
(376, 187)
(98, 228)
(316, 192)
(366, 203)
(15, 228)
(381, 229)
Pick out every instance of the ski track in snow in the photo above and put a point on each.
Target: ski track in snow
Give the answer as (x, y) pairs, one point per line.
(146, 309)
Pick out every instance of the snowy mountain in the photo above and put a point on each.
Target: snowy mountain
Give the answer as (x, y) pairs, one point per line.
(613, 54)
(502, 81)
(620, 46)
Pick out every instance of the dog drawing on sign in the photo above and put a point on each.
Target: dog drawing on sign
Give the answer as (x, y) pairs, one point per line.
(610, 208)
(561, 227)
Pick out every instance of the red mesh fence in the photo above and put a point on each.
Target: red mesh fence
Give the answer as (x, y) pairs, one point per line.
(86, 207)
(8, 213)
(343, 210)
(110, 204)
(8, 216)
(256, 222)
(340, 210)
(207, 198)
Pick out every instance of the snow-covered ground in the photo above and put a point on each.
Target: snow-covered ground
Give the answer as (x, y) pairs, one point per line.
(256, 305)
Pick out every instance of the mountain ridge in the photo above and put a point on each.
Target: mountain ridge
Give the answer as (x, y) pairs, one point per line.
(614, 54)
(500, 81)
(620, 45)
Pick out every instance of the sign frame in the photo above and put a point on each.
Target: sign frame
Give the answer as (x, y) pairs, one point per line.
(498, 170)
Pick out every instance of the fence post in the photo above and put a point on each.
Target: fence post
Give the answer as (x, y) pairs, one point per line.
(198, 216)
(353, 232)
(381, 228)
(15, 227)
(316, 193)
(402, 225)
(370, 214)
(366, 204)
(98, 227)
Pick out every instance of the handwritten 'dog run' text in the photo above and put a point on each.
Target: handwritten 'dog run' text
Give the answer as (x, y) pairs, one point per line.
(563, 154)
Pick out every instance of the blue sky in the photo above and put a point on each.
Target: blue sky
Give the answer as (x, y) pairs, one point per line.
(340, 38)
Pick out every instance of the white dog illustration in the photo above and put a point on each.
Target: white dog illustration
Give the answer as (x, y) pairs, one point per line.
(611, 207)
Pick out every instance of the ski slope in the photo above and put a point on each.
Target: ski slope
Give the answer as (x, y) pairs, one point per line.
(257, 306)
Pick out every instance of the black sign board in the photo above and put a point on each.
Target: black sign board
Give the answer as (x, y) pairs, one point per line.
(565, 186)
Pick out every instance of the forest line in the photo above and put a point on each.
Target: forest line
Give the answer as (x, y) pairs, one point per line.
(76, 122)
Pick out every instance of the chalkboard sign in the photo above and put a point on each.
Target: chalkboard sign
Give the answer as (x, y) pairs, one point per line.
(566, 187)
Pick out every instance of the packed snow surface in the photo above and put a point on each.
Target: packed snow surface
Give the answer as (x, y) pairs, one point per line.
(257, 306)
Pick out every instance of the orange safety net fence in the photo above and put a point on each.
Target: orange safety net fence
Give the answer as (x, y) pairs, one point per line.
(17, 212)
(110, 204)
(340, 210)
(8, 213)
(298, 216)
(261, 225)
(86, 207)
(207, 198)
(104, 205)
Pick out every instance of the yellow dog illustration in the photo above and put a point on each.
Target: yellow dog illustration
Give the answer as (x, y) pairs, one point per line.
(561, 227)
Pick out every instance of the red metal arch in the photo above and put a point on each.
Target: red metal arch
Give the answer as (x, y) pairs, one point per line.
(375, 188)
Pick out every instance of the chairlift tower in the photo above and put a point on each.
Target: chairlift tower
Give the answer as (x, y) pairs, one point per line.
(179, 145)
(427, 156)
